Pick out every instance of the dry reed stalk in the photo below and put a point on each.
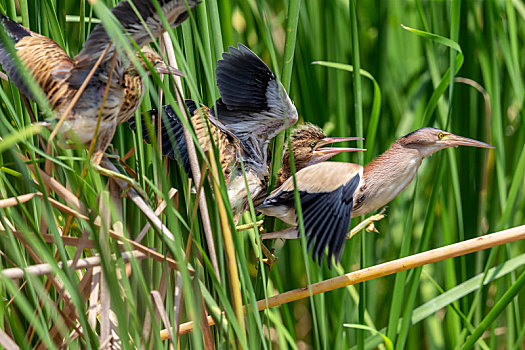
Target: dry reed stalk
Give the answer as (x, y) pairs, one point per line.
(158, 302)
(162, 205)
(46, 269)
(139, 202)
(194, 165)
(59, 189)
(69, 197)
(7, 342)
(384, 269)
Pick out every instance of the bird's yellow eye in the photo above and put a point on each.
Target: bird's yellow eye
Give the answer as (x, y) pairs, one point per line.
(441, 135)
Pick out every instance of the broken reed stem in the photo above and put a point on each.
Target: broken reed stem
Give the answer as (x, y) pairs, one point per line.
(388, 268)
(194, 165)
(46, 269)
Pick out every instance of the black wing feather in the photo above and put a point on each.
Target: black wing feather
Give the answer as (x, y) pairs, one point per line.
(326, 218)
(242, 79)
(15, 32)
(172, 133)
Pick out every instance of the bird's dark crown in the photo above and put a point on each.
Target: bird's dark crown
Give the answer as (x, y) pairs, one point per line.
(305, 134)
(422, 136)
(304, 139)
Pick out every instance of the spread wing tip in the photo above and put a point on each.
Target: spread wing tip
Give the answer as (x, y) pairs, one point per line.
(326, 217)
(243, 79)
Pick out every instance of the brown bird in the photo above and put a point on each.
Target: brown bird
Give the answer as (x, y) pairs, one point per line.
(254, 107)
(332, 193)
(308, 148)
(61, 77)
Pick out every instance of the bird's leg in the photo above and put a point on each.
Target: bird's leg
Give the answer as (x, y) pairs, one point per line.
(101, 144)
(111, 154)
(270, 257)
(367, 224)
(251, 225)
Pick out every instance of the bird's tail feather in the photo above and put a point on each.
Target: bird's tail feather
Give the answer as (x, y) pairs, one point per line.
(14, 30)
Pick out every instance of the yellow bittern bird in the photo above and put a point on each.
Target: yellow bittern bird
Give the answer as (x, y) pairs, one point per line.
(61, 77)
(332, 193)
(253, 108)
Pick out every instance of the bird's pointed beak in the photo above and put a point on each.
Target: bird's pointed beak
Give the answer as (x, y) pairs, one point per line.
(452, 140)
(163, 68)
(332, 151)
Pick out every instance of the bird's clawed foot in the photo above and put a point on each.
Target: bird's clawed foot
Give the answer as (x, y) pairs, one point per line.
(111, 153)
(270, 257)
(367, 224)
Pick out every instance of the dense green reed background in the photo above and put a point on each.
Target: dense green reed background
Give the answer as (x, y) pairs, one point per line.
(459, 193)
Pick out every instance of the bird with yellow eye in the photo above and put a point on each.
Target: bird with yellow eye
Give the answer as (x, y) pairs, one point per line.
(333, 192)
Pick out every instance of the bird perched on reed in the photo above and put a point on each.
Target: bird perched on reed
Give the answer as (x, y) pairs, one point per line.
(62, 78)
(332, 193)
(253, 108)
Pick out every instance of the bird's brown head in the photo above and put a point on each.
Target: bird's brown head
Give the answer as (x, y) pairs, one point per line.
(156, 61)
(308, 141)
(430, 140)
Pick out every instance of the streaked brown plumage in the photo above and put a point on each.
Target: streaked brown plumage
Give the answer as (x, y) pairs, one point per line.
(61, 77)
(332, 193)
(227, 145)
(133, 82)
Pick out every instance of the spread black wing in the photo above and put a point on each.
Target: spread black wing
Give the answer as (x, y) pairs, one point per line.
(253, 105)
(175, 11)
(326, 217)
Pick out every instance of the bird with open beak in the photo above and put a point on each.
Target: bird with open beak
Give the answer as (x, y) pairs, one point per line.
(114, 90)
(309, 147)
(332, 193)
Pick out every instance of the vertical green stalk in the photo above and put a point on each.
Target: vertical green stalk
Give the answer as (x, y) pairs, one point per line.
(505, 300)
(358, 112)
(286, 78)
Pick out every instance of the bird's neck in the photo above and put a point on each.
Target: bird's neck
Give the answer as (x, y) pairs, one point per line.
(385, 177)
(286, 171)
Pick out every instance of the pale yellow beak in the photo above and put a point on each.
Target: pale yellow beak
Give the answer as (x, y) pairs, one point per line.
(332, 151)
(452, 140)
